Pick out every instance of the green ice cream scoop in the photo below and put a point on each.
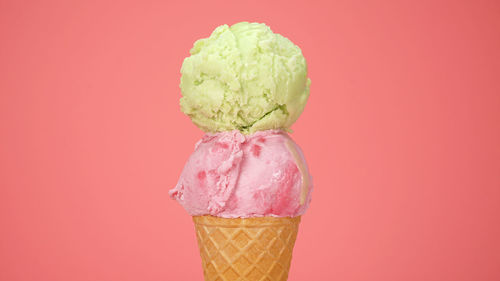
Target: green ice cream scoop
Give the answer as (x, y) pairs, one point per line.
(244, 77)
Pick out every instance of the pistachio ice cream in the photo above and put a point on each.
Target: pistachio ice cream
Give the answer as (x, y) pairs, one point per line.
(244, 77)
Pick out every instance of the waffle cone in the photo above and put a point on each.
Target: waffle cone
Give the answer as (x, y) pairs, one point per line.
(246, 249)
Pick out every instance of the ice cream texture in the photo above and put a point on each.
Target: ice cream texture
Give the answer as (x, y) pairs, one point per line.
(234, 175)
(244, 77)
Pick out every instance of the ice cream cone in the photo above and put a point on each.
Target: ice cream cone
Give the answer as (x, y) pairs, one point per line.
(246, 249)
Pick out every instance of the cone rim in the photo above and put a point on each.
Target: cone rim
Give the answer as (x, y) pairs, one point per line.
(208, 220)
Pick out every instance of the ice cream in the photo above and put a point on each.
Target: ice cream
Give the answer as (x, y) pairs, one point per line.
(244, 77)
(247, 183)
(234, 175)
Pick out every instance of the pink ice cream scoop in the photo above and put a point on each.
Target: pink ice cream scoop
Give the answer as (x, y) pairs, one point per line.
(234, 175)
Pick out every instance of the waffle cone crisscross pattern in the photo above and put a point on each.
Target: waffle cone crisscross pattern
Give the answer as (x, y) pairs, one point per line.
(246, 249)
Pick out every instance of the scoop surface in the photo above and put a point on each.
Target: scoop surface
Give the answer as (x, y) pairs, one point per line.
(234, 175)
(244, 77)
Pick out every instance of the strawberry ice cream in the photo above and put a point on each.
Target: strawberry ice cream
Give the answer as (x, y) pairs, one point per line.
(234, 175)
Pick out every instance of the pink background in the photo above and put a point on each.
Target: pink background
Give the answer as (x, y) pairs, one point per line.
(401, 132)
